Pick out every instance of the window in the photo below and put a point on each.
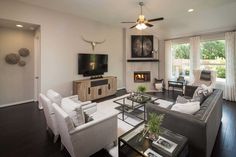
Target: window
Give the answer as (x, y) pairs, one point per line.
(213, 57)
(181, 59)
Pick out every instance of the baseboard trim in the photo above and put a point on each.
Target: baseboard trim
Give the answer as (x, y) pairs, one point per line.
(120, 88)
(16, 103)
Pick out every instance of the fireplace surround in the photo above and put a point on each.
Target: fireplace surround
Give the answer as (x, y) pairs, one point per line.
(142, 76)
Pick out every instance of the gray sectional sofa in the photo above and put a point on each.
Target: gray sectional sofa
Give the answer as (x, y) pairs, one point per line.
(201, 128)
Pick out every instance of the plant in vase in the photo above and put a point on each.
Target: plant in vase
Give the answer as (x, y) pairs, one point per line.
(153, 126)
(141, 89)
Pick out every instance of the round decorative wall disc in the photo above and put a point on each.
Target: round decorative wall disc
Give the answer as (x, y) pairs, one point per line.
(24, 52)
(22, 63)
(12, 58)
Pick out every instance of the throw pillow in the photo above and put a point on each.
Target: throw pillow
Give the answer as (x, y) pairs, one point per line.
(198, 95)
(181, 100)
(87, 117)
(207, 90)
(188, 108)
(74, 111)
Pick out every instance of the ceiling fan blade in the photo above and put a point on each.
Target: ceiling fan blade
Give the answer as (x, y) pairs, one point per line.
(148, 24)
(133, 26)
(128, 22)
(156, 19)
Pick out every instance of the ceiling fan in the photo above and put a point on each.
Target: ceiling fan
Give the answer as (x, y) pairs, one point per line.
(142, 22)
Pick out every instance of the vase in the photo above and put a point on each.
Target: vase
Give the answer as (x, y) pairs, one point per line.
(153, 136)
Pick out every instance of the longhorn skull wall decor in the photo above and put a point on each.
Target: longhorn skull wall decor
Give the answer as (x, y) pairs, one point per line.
(93, 43)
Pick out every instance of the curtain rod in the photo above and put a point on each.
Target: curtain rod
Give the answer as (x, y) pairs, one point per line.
(234, 30)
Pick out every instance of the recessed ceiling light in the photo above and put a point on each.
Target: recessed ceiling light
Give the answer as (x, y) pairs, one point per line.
(190, 10)
(19, 26)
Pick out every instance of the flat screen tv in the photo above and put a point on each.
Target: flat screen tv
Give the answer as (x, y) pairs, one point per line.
(92, 64)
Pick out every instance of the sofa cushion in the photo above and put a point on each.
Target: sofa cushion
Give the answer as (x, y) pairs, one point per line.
(74, 111)
(54, 96)
(188, 108)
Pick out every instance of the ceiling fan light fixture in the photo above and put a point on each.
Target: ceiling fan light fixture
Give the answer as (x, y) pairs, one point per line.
(141, 26)
(141, 18)
(190, 10)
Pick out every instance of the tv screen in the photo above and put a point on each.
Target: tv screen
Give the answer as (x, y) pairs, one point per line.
(92, 64)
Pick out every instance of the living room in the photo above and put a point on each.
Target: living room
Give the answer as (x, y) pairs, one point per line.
(46, 48)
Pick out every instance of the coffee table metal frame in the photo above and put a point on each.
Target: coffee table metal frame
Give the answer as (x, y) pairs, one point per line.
(133, 107)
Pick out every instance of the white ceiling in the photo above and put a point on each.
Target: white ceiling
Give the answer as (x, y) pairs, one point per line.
(209, 15)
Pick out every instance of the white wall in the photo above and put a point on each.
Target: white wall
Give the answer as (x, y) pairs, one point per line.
(61, 42)
(16, 83)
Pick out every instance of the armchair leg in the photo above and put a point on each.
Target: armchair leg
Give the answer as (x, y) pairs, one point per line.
(62, 147)
(55, 138)
(115, 143)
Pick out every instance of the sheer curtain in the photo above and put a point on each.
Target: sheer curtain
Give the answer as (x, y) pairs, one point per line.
(168, 61)
(230, 52)
(194, 54)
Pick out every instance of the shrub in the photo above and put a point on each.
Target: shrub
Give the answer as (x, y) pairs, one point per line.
(220, 72)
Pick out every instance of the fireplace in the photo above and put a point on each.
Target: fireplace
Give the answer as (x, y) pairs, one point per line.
(142, 76)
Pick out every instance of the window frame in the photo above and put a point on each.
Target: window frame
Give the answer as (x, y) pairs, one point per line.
(213, 38)
(179, 42)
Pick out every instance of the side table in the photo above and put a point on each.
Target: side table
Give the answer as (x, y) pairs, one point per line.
(176, 84)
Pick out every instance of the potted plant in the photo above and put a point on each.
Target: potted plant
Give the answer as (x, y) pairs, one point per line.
(152, 128)
(141, 89)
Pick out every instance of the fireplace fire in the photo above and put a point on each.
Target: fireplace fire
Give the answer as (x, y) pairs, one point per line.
(142, 76)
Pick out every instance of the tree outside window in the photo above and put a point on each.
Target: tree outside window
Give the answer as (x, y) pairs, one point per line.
(213, 57)
(181, 59)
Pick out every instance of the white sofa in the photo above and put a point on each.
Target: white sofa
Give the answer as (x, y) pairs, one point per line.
(86, 139)
(54, 97)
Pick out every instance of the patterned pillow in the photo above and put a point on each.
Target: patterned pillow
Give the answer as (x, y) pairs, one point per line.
(181, 100)
(74, 111)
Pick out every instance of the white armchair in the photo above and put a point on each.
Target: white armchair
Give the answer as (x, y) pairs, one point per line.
(49, 115)
(88, 138)
(87, 106)
(197, 81)
(54, 97)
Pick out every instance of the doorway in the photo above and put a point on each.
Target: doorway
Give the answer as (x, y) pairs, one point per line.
(19, 62)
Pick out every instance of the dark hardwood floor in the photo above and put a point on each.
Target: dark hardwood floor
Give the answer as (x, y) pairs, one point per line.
(23, 132)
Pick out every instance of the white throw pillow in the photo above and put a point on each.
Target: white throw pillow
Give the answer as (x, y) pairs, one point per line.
(188, 108)
(54, 96)
(74, 111)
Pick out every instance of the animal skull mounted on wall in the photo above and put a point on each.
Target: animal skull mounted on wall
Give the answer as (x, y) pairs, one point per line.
(93, 43)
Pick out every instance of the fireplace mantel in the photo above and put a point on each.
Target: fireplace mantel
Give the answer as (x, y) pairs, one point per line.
(143, 60)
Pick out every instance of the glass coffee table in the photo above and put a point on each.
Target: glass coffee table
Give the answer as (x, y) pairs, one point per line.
(169, 144)
(133, 102)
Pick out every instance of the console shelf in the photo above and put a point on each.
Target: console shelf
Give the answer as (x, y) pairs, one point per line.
(88, 89)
